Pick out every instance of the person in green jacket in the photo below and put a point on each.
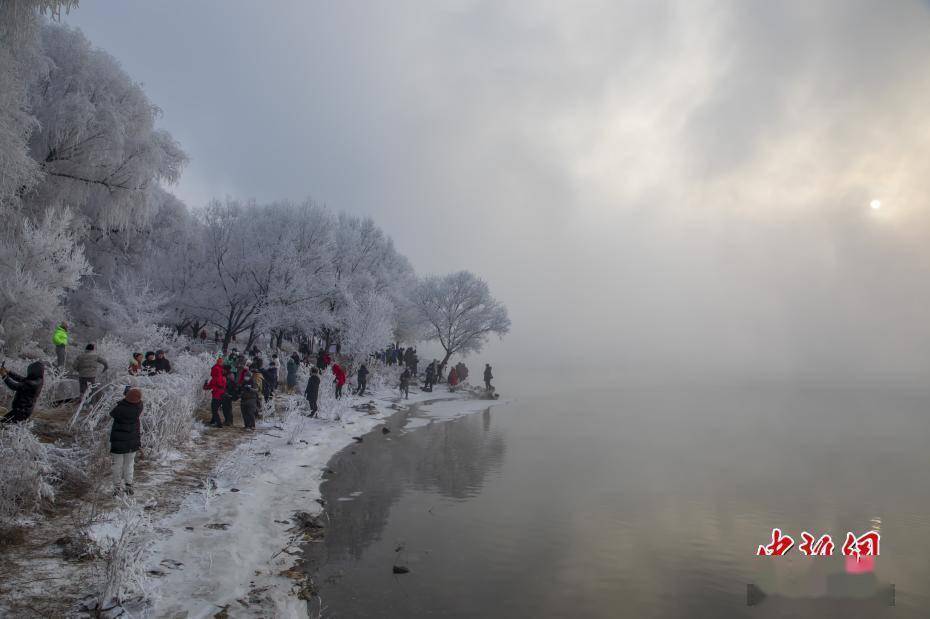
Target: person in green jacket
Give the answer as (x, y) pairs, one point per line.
(60, 340)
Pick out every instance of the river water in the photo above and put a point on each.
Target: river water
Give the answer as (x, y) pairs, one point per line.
(620, 501)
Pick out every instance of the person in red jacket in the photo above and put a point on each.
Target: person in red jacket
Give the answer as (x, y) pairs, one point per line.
(216, 387)
(340, 380)
(453, 379)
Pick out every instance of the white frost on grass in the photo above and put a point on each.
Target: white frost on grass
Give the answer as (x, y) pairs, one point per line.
(228, 547)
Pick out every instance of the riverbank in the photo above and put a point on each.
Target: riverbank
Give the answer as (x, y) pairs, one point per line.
(232, 544)
(209, 532)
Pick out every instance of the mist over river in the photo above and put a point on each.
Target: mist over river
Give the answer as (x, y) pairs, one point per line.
(574, 500)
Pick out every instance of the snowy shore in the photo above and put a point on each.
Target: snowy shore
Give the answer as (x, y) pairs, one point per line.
(228, 545)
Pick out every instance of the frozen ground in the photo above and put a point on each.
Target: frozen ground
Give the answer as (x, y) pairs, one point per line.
(211, 530)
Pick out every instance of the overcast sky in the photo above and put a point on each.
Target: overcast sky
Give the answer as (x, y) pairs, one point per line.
(660, 185)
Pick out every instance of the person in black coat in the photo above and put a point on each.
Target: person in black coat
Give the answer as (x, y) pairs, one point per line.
(405, 383)
(162, 365)
(231, 394)
(125, 439)
(27, 390)
(271, 379)
(321, 360)
(149, 366)
(313, 390)
(248, 403)
(362, 379)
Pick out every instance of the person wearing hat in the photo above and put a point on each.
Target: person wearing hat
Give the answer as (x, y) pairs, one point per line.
(125, 439)
(27, 390)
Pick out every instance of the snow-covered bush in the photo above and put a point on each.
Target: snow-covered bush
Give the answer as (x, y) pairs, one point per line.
(28, 480)
(141, 338)
(124, 553)
(56, 386)
(168, 419)
(382, 376)
(170, 400)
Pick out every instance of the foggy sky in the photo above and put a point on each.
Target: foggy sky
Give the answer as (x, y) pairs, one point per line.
(661, 186)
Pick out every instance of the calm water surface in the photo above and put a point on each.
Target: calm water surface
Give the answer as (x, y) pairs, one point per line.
(635, 502)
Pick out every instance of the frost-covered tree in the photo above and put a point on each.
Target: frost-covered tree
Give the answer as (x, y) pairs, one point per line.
(301, 280)
(231, 295)
(39, 264)
(129, 305)
(20, 63)
(368, 324)
(459, 311)
(364, 261)
(96, 146)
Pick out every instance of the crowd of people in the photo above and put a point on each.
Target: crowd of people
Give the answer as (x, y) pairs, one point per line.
(235, 377)
(246, 379)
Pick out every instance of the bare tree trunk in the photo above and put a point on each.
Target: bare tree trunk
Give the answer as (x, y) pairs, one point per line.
(252, 336)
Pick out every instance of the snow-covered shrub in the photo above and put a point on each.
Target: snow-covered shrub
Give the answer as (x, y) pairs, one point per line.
(124, 554)
(142, 338)
(382, 376)
(170, 400)
(56, 386)
(29, 476)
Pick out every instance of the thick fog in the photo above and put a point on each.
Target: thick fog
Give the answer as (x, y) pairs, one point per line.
(661, 186)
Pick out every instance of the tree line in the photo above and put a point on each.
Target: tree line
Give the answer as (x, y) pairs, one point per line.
(89, 230)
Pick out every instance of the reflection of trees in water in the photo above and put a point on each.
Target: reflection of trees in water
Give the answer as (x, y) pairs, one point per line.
(450, 458)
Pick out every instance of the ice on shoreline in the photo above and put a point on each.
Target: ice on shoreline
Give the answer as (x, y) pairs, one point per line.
(234, 540)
